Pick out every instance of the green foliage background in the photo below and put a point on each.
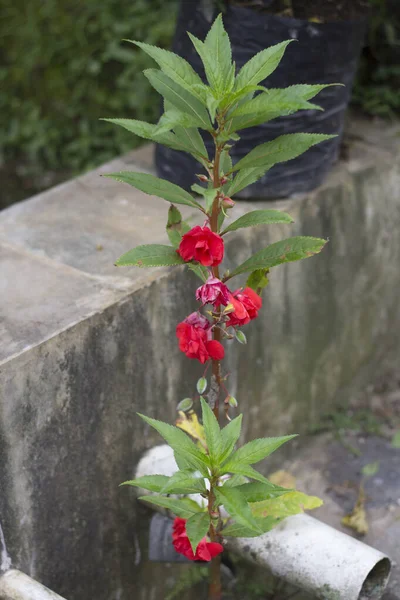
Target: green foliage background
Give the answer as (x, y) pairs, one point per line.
(64, 65)
(377, 89)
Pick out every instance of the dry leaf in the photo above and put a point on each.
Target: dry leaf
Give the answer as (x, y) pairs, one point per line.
(283, 479)
(286, 505)
(190, 423)
(357, 519)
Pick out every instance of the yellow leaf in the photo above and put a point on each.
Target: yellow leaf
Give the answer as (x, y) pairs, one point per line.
(190, 423)
(283, 479)
(289, 504)
(357, 519)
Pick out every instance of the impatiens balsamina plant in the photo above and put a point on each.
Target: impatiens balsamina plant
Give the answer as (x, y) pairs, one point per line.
(236, 499)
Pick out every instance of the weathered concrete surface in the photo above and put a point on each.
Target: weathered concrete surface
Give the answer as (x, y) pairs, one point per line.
(15, 585)
(329, 469)
(84, 346)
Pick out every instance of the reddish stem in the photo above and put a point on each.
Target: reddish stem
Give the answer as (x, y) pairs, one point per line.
(215, 587)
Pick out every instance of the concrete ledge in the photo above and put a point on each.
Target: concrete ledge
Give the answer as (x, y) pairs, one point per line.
(85, 345)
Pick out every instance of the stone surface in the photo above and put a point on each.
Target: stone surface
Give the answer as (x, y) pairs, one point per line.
(331, 470)
(85, 345)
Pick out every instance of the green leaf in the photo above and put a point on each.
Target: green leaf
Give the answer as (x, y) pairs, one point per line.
(192, 141)
(226, 162)
(236, 98)
(258, 280)
(150, 255)
(180, 443)
(260, 66)
(173, 65)
(212, 105)
(238, 530)
(197, 527)
(211, 431)
(176, 227)
(154, 483)
(289, 250)
(229, 436)
(175, 118)
(218, 46)
(221, 219)
(281, 149)
(149, 184)
(199, 270)
(286, 505)
(244, 178)
(181, 507)
(259, 217)
(210, 67)
(184, 482)
(236, 505)
(371, 469)
(306, 91)
(246, 471)
(280, 102)
(256, 450)
(235, 480)
(258, 492)
(265, 107)
(179, 97)
(207, 193)
(182, 462)
(148, 131)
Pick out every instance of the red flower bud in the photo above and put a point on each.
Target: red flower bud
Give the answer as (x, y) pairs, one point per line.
(203, 245)
(246, 304)
(202, 178)
(205, 550)
(213, 292)
(227, 202)
(224, 180)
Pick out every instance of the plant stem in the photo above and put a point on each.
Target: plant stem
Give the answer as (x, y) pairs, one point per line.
(215, 587)
(216, 365)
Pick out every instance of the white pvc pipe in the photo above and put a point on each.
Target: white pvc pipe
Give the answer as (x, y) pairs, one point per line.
(318, 559)
(301, 550)
(15, 585)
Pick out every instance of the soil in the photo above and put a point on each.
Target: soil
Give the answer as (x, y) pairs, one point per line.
(314, 10)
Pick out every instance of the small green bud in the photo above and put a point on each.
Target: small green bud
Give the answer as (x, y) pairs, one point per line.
(232, 402)
(202, 385)
(185, 404)
(240, 336)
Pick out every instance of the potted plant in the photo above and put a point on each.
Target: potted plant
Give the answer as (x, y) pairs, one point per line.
(329, 38)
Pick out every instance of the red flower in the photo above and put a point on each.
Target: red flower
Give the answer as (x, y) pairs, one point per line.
(213, 292)
(201, 244)
(246, 305)
(205, 550)
(195, 339)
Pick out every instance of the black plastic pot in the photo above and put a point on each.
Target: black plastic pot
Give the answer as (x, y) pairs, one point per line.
(325, 53)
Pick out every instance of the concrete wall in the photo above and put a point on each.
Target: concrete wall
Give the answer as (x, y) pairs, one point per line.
(84, 345)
